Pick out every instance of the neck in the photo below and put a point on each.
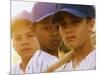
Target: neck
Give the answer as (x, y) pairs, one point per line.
(51, 52)
(82, 52)
(24, 64)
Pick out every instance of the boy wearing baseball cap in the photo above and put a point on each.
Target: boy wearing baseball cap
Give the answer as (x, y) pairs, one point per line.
(75, 25)
(47, 34)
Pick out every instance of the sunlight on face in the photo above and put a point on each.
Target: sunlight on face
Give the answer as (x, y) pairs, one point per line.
(24, 40)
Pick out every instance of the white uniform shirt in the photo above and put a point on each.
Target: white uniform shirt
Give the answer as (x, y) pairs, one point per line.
(41, 61)
(89, 63)
(17, 70)
(38, 63)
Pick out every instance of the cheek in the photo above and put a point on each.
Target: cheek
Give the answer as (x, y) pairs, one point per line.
(16, 45)
(42, 34)
(45, 36)
(17, 48)
(82, 34)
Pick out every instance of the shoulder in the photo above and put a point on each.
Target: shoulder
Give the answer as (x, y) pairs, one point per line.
(90, 60)
(92, 55)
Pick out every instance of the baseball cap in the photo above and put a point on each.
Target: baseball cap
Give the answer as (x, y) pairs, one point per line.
(23, 15)
(81, 11)
(42, 10)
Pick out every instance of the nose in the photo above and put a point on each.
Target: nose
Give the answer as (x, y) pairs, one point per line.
(55, 31)
(24, 41)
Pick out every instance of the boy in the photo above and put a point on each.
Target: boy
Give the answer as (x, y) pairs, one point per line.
(47, 34)
(26, 45)
(75, 25)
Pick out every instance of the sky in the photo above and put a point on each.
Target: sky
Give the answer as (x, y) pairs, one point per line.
(18, 6)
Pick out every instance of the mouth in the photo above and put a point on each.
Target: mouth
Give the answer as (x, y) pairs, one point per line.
(26, 50)
(70, 38)
(55, 42)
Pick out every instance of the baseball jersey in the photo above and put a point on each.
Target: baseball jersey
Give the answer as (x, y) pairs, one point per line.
(17, 70)
(88, 63)
(41, 61)
(38, 63)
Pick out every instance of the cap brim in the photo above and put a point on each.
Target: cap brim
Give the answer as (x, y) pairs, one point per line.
(43, 17)
(73, 12)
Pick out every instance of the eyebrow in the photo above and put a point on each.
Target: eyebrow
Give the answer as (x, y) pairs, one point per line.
(30, 32)
(15, 35)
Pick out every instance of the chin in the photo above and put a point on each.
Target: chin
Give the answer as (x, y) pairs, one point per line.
(54, 48)
(71, 45)
(28, 55)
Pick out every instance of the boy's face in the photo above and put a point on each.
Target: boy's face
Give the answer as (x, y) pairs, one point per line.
(48, 35)
(23, 39)
(75, 31)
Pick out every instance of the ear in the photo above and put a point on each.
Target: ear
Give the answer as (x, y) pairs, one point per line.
(91, 23)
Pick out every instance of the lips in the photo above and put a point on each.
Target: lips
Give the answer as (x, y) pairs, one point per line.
(56, 42)
(70, 38)
(26, 50)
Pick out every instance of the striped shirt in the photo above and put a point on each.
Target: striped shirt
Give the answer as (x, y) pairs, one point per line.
(38, 63)
(89, 63)
(41, 61)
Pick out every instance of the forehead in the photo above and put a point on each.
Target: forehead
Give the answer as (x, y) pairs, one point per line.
(46, 23)
(69, 16)
(21, 25)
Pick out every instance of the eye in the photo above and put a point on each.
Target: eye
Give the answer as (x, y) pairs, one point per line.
(17, 38)
(75, 21)
(63, 24)
(47, 27)
(30, 35)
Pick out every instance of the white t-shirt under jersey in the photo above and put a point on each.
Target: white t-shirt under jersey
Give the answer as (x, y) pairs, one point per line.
(38, 63)
(89, 63)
